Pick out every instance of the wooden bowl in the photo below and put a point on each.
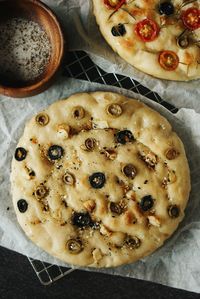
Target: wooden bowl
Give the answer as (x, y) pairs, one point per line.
(33, 10)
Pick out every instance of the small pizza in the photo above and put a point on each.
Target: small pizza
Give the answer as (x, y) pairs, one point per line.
(160, 38)
(99, 180)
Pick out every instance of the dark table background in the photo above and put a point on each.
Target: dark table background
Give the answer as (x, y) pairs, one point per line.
(18, 280)
(17, 277)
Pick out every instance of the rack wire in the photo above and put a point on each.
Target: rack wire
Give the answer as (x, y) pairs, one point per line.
(79, 65)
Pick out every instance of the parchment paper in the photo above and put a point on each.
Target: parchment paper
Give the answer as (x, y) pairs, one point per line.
(177, 263)
(83, 34)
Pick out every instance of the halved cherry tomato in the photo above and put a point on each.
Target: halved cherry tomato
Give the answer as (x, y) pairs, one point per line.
(147, 30)
(114, 4)
(168, 60)
(191, 18)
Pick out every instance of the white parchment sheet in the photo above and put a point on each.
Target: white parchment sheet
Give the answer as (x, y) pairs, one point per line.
(83, 34)
(177, 263)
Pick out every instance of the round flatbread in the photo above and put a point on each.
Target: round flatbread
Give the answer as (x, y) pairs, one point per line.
(99, 180)
(160, 38)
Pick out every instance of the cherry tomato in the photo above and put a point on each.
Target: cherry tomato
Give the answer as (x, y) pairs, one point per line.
(114, 4)
(168, 60)
(147, 30)
(191, 18)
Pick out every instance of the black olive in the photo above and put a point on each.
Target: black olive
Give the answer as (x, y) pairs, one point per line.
(118, 30)
(133, 242)
(129, 170)
(22, 205)
(74, 246)
(42, 119)
(55, 152)
(116, 208)
(41, 192)
(124, 136)
(183, 42)
(20, 154)
(90, 144)
(146, 203)
(78, 112)
(97, 180)
(166, 8)
(173, 211)
(68, 178)
(82, 219)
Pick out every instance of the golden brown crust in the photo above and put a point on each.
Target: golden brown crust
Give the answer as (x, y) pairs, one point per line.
(145, 55)
(120, 230)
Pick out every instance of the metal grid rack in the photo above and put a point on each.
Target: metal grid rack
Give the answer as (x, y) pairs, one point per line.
(79, 65)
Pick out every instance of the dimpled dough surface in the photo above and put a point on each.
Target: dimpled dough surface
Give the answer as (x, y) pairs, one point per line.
(145, 55)
(100, 223)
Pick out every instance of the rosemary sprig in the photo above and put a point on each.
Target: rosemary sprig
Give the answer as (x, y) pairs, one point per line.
(128, 12)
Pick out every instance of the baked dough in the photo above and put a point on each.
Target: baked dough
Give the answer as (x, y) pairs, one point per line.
(99, 180)
(170, 33)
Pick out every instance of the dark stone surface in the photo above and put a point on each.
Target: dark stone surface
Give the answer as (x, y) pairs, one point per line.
(18, 280)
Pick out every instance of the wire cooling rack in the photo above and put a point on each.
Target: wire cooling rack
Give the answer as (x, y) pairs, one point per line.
(79, 65)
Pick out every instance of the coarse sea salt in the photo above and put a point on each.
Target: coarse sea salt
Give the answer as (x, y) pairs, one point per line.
(25, 50)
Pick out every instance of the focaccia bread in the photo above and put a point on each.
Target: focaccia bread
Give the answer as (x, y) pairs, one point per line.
(99, 180)
(160, 38)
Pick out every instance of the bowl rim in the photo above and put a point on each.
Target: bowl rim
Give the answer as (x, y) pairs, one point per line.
(13, 91)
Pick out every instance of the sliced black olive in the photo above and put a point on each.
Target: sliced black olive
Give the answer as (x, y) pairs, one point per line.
(114, 110)
(41, 192)
(116, 208)
(129, 170)
(82, 220)
(171, 154)
(124, 136)
(146, 203)
(20, 154)
(166, 8)
(42, 119)
(97, 180)
(78, 112)
(183, 42)
(22, 205)
(74, 246)
(118, 30)
(173, 211)
(68, 178)
(133, 242)
(90, 144)
(55, 152)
